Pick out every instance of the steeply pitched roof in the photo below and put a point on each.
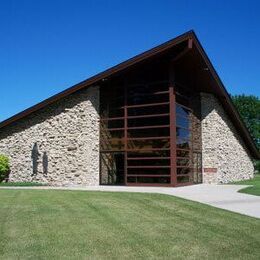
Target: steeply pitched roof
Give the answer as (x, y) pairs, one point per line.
(225, 98)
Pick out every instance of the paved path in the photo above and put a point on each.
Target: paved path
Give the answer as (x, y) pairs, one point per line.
(220, 196)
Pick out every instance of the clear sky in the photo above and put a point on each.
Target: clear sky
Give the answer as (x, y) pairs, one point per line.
(49, 45)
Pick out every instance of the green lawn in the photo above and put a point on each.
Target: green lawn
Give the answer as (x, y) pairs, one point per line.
(20, 184)
(255, 189)
(40, 224)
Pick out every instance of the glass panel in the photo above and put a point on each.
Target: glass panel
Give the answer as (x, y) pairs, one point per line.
(147, 144)
(131, 179)
(113, 104)
(161, 109)
(152, 162)
(183, 93)
(162, 120)
(139, 154)
(197, 168)
(183, 179)
(183, 133)
(183, 122)
(151, 132)
(182, 111)
(183, 162)
(181, 99)
(108, 113)
(108, 134)
(148, 171)
(138, 99)
(112, 168)
(162, 180)
(183, 170)
(184, 144)
(112, 144)
(112, 123)
(146, 89)
(181, 153)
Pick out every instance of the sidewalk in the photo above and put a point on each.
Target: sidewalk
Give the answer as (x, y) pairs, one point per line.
(220, 196)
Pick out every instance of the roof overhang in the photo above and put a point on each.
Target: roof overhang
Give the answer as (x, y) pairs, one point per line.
(192, 41)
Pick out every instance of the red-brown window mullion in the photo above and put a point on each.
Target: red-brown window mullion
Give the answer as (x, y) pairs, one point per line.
(149, 138)
(172, 134)
(125, 134)
(148, 158)
(148, 116)
(149, 167)
(148, 105)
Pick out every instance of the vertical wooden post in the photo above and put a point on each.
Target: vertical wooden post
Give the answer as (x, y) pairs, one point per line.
(172, 108)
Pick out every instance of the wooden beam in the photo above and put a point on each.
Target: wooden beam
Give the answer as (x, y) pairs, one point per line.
(181, 54)
(190, 43)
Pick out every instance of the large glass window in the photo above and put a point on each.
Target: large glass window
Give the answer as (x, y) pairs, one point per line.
(183, 142)
(135, 135)
(137, 143)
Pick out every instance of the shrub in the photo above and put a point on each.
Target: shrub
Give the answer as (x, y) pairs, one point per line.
(4, 167)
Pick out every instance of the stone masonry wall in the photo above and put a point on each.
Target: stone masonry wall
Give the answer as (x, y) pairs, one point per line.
(58, 144)
(224, 155)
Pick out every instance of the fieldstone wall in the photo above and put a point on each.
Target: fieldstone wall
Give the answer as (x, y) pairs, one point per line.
(224, 155)
(59, 144)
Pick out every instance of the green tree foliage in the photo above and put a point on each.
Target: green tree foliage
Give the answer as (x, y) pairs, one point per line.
(4, 167)
(249, 109)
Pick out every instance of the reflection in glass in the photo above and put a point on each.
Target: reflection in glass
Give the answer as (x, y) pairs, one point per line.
(182, 133)
(146, 144)
(182, 144)
(154, 121)
(183, 162)
(183, 170)
(181, 153)
(183, 122)
(112, 168)
(182, 111)
(164, 180)
(183, 179)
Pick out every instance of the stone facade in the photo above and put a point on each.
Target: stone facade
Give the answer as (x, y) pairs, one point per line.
(58, 144)
(225, 157)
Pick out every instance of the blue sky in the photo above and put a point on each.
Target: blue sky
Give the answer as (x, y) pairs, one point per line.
(47, 46)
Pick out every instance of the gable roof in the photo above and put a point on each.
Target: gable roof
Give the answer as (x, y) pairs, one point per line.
(223, 94)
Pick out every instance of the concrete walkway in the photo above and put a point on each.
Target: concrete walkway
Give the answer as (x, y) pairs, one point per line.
(220, 196)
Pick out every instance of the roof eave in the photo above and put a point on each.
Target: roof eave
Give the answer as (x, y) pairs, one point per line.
(254, 151)
(96, 78)
(132, 61)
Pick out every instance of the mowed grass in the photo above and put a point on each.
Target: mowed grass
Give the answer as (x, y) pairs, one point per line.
(21, 184)
(255, 182)
(45, 224)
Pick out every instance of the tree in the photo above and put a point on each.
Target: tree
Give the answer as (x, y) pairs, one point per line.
(249, 109)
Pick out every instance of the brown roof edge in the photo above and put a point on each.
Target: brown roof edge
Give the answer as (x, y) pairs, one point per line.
(132, 61)
(94, 79)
